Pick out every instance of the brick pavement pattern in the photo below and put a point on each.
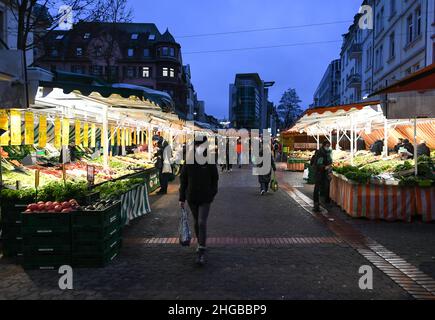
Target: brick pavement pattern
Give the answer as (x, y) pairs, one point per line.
(311, 270)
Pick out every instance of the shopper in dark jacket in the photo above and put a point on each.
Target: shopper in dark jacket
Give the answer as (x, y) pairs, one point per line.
(408, 146)
(161, 157)
(264, 180)
(423, 149)
(377, 148)
(322, 162)
(199, 186)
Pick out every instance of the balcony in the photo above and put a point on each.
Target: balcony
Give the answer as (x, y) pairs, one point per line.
(355, 51)
(354, 80)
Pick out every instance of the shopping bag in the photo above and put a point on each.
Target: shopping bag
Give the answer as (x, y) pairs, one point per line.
(306, 174)
(184, 230)
(274, 183)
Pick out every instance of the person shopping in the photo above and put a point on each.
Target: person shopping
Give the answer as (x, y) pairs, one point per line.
(322, 161)
(199, 186)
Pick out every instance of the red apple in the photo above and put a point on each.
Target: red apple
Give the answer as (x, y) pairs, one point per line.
(66, 205)
(58, 208)
(41, 207)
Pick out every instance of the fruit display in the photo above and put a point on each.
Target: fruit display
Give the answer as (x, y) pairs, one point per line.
(302, 155)
(53, 207)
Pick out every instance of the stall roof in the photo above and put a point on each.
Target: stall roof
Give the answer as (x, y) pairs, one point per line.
(114, 95)
(333, 109)
(421, 80)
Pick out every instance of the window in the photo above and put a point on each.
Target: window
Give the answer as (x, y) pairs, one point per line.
(152, 37)
(369, 57)
(172, 73)
(146, 72)
(134, 36)
(78, 69)
(96, 70)
(79, 52)
(86, 35)
(54, 52)
(130, 52)
(146, 52)
(98, 51)
(59, 37)
(131, 72)
(165, 72)
(392, 46)
(418, 22)
(410, 29)
(164, 51)
(172, 52)
(392, 8)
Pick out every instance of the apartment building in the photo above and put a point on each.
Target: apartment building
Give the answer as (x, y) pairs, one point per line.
(328, 91)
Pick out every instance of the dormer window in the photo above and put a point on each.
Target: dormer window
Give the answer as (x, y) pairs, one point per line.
(87, 35)
(134, 36)
(152, 37)
(130, 52)
(172, 52)
(59, 37)
(165, 51)
(79, 52)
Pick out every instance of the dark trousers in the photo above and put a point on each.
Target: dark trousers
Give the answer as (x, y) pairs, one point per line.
(164, 180)
(321, 187)
(200, 214)
(264, 186)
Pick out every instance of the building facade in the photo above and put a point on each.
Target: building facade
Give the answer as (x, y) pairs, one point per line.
(401, 42)
(248, 102)
(328, 91)
(134, 53)
(400, 39)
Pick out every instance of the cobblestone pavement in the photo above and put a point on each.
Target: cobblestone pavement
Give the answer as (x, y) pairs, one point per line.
(414, 242)
(241, 270)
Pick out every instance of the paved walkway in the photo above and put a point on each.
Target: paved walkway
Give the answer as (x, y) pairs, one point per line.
(261, 248)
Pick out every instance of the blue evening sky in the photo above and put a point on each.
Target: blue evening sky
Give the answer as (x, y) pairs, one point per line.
(300, 67)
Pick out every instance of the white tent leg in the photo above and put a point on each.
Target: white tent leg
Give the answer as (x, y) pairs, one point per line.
(386, 132)
(150, 141)
(352, 139)
(318, 142)
(337, 147)
(104, 138)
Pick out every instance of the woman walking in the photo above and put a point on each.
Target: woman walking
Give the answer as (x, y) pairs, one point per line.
(199, 186)
(264, 180)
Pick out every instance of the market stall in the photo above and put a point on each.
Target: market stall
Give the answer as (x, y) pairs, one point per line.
(383, 186)
(78, 164)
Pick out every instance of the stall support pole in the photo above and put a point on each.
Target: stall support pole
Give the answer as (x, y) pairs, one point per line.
(352, 139)
(104, 137)
(150, 141)
(318, 142)
(337, 147)
(415, 146)
(386, 129)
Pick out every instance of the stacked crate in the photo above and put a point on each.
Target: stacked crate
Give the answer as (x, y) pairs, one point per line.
(46, 240)
(11, 231)
(96, 237)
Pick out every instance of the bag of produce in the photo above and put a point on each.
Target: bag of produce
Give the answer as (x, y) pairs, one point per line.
(274, 183)
(184, 230)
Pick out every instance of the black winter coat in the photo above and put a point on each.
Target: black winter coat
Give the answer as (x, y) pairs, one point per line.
(199, 183)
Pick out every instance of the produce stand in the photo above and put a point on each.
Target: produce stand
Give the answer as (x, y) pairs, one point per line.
(70, 147)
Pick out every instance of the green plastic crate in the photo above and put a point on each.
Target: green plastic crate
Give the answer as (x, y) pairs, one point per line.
(46, 250)
(12, 214)
(96, 248)
(12, 248)
(95, 261)
(47, 238)
(153, 181)
(109, 217)
(94, 233)
(46, 223)
(12, 232)
(45, 262)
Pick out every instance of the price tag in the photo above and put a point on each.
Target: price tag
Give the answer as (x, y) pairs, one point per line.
(91, 175)
(37, 175)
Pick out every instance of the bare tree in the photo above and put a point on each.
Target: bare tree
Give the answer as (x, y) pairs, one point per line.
(32, 15)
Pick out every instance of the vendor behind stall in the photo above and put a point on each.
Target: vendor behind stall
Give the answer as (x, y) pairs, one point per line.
(423, 149)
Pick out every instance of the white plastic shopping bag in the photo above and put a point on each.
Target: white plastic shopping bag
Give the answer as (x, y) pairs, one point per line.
(184, 230)
(306, 174)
